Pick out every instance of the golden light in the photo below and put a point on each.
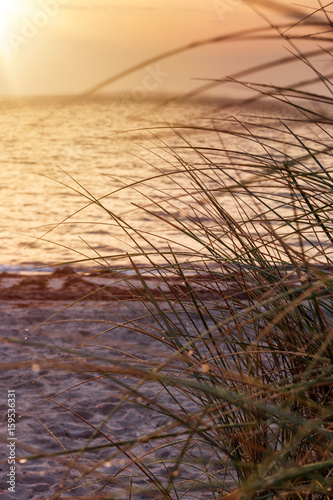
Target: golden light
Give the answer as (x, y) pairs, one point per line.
(11, 13)
(9, 9)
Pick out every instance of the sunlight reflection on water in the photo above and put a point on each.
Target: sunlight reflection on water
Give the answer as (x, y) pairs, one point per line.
(55, 160)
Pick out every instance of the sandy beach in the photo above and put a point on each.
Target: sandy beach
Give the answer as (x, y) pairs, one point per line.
(61, 407)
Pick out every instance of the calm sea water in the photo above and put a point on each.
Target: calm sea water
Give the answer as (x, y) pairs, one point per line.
(56, 158)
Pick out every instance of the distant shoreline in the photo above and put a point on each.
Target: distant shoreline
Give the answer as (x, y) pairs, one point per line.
(68, 99)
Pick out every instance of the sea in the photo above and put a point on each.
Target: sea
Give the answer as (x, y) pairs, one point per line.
(93, 182)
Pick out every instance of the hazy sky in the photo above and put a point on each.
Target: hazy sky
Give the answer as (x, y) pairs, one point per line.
(67, 46)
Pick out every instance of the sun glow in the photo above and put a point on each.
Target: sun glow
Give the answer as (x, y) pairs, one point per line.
(8, 10)
(11, 11)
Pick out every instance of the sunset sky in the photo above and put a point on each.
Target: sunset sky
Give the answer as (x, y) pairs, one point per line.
(67, 46)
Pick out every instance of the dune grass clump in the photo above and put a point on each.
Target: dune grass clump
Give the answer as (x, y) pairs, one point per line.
(241, 306)
(248, 316)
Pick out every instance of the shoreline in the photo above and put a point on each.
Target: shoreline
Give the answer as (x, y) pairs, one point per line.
(73, 285)
(69, 285)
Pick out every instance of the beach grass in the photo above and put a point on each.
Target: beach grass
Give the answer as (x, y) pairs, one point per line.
(241, 307)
